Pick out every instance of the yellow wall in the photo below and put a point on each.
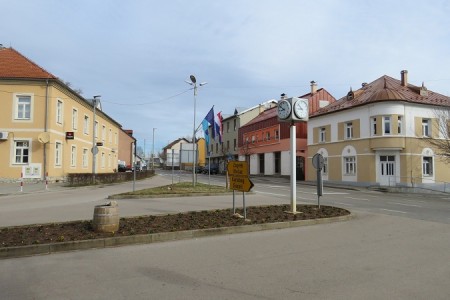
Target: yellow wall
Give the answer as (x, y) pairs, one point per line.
(31, 129)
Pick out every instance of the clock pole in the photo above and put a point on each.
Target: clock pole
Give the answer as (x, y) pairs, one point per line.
(293, 168)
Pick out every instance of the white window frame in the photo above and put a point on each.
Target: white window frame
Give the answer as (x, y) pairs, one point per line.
(109, 160)
(73, 156)
(399, 124)
(115, 138)
(103, 133)
(322, 135)
(427, 166)
(21, 149)
(426, 127)
(96, 129)
(59, 111)
(349, 165)
(110, 135)
(18, 103)
(373, 126)
(58, 153)
(74, 118)
(85, 158)
(103, 160)
(86, 125)
(387, 125)
(348, 130)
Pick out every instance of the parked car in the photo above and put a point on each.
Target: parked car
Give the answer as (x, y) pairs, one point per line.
(199, 169)
(213, 169)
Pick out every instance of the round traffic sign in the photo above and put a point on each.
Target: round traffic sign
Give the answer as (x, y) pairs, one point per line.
(318, 161)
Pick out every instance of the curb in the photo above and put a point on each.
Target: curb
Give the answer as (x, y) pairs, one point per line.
(21, 251)
(119, 196)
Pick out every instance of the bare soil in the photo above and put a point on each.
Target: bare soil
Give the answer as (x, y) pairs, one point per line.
(82, 230)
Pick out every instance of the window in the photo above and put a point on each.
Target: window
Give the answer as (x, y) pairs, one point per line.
(234, 145)
(350, 165)
(399, 124)
(322, 136)
(348, 130)
(253, 139)
(212, 148)
(267, 136)
(228, 145)
(96, 129)
(277, 156)
(426, 127)
(115, 138)
(427, 166)
(110, 135)
(103, 133)
(103, 160)
(234, 124)
(277, 135)
(109, 160)
(228, 126)
(85, 158)
(386, 125)
(374, 126)
(73, 156)
(22, 152)
(74, 119)
(86, 125)
(325, 166)
(23, 108)
(217, 148)
(59, 112)
(58, 153)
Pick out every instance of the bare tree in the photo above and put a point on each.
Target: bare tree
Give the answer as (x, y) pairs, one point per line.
(442, 143)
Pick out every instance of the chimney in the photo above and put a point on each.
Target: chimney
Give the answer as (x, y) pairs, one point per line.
(313, 87)
(404, 74)
(261, 108)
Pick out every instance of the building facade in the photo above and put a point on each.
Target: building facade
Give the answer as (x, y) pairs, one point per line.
(379, 135)
(265, 142)
(48, 129)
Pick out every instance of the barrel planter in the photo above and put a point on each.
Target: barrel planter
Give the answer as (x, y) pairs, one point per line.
(106, 217)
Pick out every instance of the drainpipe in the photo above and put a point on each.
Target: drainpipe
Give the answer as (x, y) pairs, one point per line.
(44, 168)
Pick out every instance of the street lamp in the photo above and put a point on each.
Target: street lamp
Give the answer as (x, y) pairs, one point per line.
(153, 150)
(194, 83)
(94, 145)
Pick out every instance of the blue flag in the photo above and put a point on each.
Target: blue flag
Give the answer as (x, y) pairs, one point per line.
(205, 126)
(210, 119)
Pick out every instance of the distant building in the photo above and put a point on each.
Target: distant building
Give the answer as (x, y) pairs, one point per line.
(265, 142)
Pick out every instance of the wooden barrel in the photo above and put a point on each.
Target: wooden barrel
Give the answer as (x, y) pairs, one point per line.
(106, 218)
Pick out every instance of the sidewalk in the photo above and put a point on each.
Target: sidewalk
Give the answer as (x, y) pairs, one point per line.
(16, 188)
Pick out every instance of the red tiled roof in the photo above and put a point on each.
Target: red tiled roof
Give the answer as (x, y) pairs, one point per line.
(15, 65)
(384, 88)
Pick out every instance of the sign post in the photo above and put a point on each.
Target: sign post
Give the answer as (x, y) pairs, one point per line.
(239, 181)
(318, 163)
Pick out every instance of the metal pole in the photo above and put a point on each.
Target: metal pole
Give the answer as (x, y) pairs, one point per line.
(245, 208)
(94, 146)
(193, 136)
(153, 150)
(293, 170)
(134, 172)
(234, 204)
(172, 164)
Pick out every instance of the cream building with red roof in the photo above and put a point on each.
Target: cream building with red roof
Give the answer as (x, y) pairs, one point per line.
(46, 128)
(379, 135)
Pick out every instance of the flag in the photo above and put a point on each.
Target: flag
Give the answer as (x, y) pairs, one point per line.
(205, 126)
(218, 126)
(210, 119)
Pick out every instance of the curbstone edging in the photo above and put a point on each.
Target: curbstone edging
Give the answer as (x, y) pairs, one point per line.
(21, 251)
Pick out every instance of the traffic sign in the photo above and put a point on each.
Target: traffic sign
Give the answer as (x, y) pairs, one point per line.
(237, 168)
(243, 184)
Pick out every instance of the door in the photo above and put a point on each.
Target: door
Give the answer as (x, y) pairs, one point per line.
(387, 169)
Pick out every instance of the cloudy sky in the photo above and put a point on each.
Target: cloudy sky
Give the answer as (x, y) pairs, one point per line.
(138, 54)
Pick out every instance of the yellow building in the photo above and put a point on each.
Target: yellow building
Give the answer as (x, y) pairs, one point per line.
(380, 135)
(47, 128)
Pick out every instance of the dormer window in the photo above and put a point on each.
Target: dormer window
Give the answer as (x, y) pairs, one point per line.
(350, 95)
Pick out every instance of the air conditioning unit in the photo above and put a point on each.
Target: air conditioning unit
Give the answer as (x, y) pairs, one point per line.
(3, 135)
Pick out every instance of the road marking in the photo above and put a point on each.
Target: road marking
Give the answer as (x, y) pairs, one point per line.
(391, 210)
(412, 205)
(335, 193)
(346, 204)
(276, 186)
(270, 194)
(362, 199)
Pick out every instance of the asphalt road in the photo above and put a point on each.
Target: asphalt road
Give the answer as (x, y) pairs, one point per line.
(395, 248)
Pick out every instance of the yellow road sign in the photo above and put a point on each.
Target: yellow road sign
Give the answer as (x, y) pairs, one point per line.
(242, 184)
(237, 168)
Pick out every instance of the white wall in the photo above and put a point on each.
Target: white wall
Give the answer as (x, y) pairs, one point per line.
(269, 163)
(254, 164)
(285, 163)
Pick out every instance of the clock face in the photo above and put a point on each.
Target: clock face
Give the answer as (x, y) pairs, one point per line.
(301, 109)
(284, 109)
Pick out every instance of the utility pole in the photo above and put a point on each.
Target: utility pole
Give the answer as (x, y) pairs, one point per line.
(94, 145)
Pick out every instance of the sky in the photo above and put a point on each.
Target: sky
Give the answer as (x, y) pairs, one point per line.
(138, 54)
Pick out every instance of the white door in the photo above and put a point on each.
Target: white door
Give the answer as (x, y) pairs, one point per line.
(387, 169)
